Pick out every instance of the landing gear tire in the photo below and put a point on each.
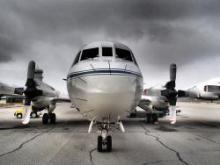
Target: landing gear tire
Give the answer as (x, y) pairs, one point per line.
(154, 118)
(19, 115)
(45, 118)
(52, 118)
(33, 115)
(109, 143)
(99, 143)
(149, 117)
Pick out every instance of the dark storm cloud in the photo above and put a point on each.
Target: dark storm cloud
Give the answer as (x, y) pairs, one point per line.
(158, 31)
(24, 22)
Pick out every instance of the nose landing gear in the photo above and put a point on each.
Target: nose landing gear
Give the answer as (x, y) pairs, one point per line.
(106, 142)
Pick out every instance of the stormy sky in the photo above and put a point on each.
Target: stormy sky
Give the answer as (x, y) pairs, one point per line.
(159, 32)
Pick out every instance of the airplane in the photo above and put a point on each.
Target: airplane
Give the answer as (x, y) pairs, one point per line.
(207, 90)
(39, 96)
(105, 84)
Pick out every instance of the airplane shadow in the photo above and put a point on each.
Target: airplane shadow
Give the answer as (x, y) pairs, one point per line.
(83, 124)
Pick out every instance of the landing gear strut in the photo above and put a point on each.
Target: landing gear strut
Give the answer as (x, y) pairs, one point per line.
(49, 117)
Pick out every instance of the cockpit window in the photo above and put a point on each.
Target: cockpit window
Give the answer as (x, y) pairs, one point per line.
(123, 54)
(212, 88)
(89, 53)
(107, 51)
(135, 61)
(77, 58)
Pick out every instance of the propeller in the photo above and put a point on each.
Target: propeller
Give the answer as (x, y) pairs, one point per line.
(170, 92)
(30, 92)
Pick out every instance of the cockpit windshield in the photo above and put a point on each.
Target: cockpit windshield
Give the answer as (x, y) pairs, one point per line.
(212, 88)
(107, 51)
(89, 54)
(123, 54)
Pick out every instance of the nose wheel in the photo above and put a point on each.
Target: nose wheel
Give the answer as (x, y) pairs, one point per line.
(49, 118)
(104, 144)
(104, 141)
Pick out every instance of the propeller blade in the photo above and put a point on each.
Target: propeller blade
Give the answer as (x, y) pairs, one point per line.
(170, 92)
(173, 69)
(30, 91)
(27, 115)
(30, 73)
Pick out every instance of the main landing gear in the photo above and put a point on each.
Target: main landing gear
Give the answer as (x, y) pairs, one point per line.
(49, 118)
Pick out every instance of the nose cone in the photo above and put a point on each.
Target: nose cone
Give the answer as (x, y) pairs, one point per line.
(104, 95)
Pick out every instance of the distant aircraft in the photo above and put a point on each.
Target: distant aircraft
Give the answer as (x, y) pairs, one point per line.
(207, 90)
(6, 89)
(105, 84)
(39, 96)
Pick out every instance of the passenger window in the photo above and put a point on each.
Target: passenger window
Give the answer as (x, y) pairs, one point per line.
(89, 53)
(77, 58)
(106, 51)
(123, 54)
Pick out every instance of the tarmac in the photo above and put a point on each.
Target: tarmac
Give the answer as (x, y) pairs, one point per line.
(194, 140)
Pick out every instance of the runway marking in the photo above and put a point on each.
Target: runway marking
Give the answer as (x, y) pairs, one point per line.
(25, 142)
(165, 145)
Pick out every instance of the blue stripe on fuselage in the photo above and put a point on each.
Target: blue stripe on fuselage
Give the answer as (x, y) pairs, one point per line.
(103, 72)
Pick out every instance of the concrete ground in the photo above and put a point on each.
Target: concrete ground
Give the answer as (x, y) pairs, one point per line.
(194, 140)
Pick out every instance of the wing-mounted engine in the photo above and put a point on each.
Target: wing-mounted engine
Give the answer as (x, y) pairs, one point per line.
(35, 88)
(160, 97)
(170, 92)
(46, 89)
(145, 104)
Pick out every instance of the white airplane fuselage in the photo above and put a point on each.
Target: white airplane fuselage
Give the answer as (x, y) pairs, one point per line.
(208, 90)
(105, 88)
